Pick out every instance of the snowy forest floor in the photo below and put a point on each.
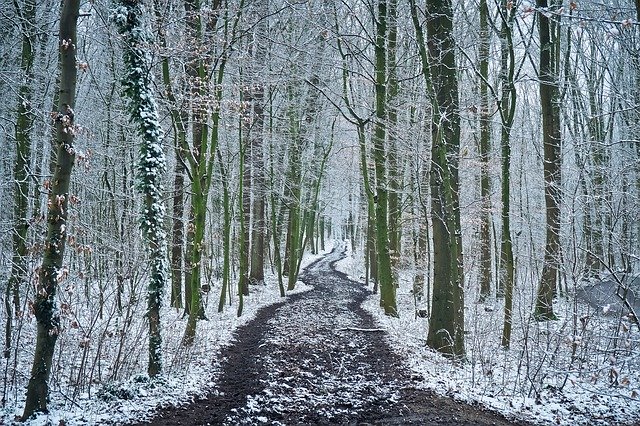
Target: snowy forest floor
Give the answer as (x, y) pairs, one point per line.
(326, 354)
(319, 358)
(538, 379)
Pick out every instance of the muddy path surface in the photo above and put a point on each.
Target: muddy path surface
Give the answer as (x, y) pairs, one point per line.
(316, 359)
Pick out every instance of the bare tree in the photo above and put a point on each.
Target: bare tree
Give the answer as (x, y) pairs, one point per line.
(21, 169)
(551, 138)
(52, 270)
(446, 327)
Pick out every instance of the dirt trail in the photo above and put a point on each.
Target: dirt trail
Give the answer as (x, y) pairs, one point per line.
(307, 361)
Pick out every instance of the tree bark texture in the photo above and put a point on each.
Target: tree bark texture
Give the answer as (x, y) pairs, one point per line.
(258, 231)
(21, 186)
(385, 275)
(51, 272)
(551, 140)
(446, 327)
(244, 192)
(294, 193)
(485, 148)
(506, 268)
(138, 86)
(395, 171)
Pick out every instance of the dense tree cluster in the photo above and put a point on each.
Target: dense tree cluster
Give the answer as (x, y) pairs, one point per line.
(487, 149)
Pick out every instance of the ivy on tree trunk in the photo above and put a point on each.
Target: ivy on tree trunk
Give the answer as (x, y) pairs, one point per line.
(137, 86)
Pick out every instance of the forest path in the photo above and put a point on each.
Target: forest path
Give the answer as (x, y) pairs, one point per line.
(308, 361)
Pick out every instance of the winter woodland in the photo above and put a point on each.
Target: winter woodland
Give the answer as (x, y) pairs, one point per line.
(169, 167)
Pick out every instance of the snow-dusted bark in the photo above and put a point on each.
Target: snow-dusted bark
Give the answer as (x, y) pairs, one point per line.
(551, 141)
(22, 165)
(51, 272)
(137, 86)
(446, 325)
(380, 153)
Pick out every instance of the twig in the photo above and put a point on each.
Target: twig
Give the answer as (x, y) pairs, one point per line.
(625, 290)
(371, 330)
(68, 399)
(625, 301)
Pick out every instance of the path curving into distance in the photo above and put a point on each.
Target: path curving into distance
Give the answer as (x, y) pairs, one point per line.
(306, 361)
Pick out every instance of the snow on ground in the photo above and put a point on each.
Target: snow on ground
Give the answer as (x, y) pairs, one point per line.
(189, 372)
(540, 379)
(308, 372)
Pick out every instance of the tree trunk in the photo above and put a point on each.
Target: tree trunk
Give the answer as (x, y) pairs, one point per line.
(259, 228)
(552, 161)
(292, 194)
(446, 328)
(395, 172)
(369, 252)
(202, 161)
(21, 168)
(423, 260)
(258, 231)
(420, 234)
(195, 244)
(506, 267)
(226, 236)
(485, 148)
(321, 232)
(138, 86)
(293, 223)
(51, 271)
(385, 276)
(276, 229)
(178, 117)
(243, 231)
(244, 195)
(177, 234)
(196, 79)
